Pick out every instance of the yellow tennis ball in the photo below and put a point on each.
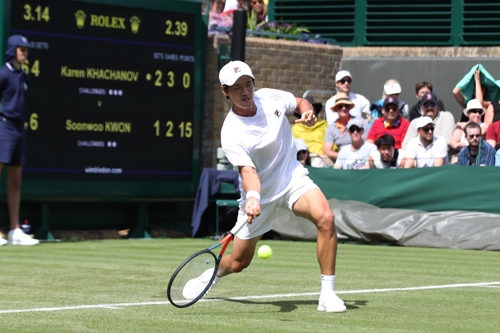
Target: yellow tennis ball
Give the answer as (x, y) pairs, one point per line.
(265, 252)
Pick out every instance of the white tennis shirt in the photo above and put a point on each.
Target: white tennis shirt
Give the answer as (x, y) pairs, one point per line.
(264, 142)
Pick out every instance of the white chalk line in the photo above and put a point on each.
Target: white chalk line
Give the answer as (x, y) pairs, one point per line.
(340, 292)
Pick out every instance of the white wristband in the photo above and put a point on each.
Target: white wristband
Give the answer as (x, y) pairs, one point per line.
(253, 194)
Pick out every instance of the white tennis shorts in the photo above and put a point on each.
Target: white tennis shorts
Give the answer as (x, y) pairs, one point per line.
(262, 223)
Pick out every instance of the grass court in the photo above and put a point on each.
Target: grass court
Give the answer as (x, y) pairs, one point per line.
(119, 286)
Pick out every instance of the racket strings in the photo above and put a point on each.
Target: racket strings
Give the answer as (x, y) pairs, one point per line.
(192, 279)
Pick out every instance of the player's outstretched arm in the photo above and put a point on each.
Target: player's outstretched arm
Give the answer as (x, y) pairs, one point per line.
(251, 186)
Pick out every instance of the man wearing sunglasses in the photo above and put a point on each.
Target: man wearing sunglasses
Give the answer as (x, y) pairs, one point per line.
(478, 152)
(391, 123)
(361, 108)
(427, 149)
(355, 156)
(421, 89)
(444, 120)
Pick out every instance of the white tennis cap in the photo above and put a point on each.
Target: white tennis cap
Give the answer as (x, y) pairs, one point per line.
(342, 74)
(232, 71)
(392, 88)
(422, 121)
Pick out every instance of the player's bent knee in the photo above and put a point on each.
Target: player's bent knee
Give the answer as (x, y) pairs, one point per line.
(326, 224)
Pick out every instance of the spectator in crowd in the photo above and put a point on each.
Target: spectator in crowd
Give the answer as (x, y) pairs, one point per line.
(302, 152)
(392, 88)
(421, 89)
(355, 156)
(427, 149)
(337, 135)
(391, 123)
(478, 93)
(492, 113)
(478, 152)
(313, 136)
(216, 7)
(444, 120)
(493, 135)
(474, 112)
(260, 8)
(386, 156)
(361, 108)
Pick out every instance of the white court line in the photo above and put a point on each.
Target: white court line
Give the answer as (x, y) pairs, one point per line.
(362, 291)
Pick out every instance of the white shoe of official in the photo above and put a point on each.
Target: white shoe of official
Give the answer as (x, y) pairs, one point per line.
(330, 302)
(195, 286)
(18, 237)
(2, 241)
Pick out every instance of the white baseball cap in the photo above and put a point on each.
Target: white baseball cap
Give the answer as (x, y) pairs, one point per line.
(392, 88)
(342, 74)
(232, 71)
(422, 121)
(356, 121)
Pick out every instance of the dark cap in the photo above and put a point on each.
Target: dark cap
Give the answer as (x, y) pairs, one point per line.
(317, 107)
(391, 100)
(429, 97)
(18, 40)
(12, 43)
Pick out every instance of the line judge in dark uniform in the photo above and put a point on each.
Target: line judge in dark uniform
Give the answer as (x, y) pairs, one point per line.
(13, 87)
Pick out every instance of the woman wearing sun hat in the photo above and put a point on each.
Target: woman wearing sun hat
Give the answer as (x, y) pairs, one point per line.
(336, 135)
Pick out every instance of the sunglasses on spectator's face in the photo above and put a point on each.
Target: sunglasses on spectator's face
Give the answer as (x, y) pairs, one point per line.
(475, 111)
(472, 136)
(427, 129)
(353, 129)
(345, 80)
(429, 104)
(256, 2)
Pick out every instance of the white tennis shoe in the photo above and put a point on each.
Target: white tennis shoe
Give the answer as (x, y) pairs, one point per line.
(18, 237)
(2, 241)
(195, 286)
(330, 302)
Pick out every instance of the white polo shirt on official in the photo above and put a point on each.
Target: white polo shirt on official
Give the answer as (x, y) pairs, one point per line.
(425, 156)
(361, 107)
(265, 142)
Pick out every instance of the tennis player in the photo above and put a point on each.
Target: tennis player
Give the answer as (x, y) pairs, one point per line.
(256, 137)
(13, 86)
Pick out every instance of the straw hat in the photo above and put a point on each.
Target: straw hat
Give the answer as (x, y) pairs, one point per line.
(342, 99)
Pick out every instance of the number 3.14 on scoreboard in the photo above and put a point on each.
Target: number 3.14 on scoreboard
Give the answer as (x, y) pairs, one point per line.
(38, 13)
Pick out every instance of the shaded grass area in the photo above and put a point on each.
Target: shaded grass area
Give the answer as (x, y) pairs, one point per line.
(114, 272)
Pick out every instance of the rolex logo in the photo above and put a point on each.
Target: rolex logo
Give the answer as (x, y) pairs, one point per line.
(134, 24)
(80, 19)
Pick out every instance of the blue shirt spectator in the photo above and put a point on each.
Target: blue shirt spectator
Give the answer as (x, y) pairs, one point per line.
(487, 155)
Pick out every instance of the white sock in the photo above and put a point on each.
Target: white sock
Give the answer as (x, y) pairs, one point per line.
(327, 282)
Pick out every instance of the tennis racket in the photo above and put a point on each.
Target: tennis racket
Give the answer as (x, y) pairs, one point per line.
(194, 277)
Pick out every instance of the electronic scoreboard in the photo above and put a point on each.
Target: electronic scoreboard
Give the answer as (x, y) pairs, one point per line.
(115, 99)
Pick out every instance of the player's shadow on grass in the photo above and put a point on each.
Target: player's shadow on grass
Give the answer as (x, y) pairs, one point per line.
(289, 306)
